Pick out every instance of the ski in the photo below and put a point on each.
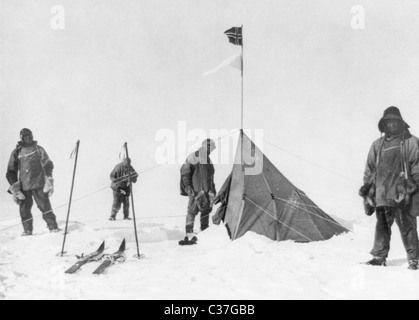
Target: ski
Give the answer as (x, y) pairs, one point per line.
(92, 257)
(187, 242)
(110, 259)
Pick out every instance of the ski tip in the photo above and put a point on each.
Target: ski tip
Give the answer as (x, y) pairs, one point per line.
(123, 246)
(102, 247)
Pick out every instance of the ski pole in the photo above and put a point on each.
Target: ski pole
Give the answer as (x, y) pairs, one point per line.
(138, 256)
(76, 152)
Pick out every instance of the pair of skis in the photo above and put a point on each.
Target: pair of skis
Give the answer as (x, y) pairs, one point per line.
(99, 255)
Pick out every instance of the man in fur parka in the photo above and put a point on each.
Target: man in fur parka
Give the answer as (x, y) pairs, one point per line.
(197, 183)
(121, 188)
(391, 182)
(29, 173)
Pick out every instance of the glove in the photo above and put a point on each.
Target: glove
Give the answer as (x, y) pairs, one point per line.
(49, 186)
(369, 209)
(202, 201)
(134, 177)
(114, 186)
(411, 187)
(190, 191)
(367, 192)
(18, 196)
(365, 189)
(123, 192)
(405, 190)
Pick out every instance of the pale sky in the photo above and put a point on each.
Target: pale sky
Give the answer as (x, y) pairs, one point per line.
(123, 70)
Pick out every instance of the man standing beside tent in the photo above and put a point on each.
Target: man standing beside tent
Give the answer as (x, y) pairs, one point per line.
(197, 183)
(29, 173)
(390, 187)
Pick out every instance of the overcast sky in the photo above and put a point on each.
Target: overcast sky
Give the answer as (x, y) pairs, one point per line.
(123, 70)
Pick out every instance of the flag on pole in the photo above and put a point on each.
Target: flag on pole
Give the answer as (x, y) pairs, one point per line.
(235, 35)
(235, 62)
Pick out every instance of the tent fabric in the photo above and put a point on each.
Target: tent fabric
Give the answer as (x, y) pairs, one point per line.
(264, 201)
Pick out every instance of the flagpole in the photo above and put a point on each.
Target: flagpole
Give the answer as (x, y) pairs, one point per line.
(242, 97)
(242, 124)
(242, 105)
(235, 36)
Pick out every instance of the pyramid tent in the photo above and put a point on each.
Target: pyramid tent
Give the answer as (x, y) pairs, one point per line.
(258, 198)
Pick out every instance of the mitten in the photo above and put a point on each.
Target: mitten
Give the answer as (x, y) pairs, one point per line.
(189, 191)
(18, 196)
(49, 186)
(367, 192)
(365, 189)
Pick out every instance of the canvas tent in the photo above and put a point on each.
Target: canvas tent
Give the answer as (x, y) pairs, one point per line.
(258, 198)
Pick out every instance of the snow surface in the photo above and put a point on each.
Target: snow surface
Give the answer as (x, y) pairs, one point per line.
(110, 77)
(252, 267)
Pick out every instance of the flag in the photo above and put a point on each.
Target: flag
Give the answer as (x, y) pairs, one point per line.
(235, 62)
(235, 35)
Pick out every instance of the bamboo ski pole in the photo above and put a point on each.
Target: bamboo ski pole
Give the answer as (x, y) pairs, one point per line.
(76, 152)
(138, 255)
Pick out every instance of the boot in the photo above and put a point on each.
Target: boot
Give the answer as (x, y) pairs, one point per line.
(377, 262)
(189, 240)
(413, 265)
(192, 237)
(112, 218)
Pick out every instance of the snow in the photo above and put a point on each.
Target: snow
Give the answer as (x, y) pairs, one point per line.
(252, 267)
(110, 77)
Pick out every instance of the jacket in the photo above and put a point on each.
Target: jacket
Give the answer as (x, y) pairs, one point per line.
(119, 177)
(197, 173)
(384, 166)
(29, 165)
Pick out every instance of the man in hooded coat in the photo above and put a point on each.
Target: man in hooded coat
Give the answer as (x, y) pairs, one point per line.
(197, 183)
(121, 188)
(29, 174)
(391, 181)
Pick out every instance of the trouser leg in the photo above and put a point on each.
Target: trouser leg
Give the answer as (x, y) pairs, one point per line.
(44, 205)
(116, 206)
(408, 230)
(205, 220)
(126, 206)
(192, 213)
(385, 220)
(25, 210)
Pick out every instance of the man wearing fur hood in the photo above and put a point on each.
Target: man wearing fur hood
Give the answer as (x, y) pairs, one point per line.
(121, 188)
(197, 183)
(390, 187)
(29, 173)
